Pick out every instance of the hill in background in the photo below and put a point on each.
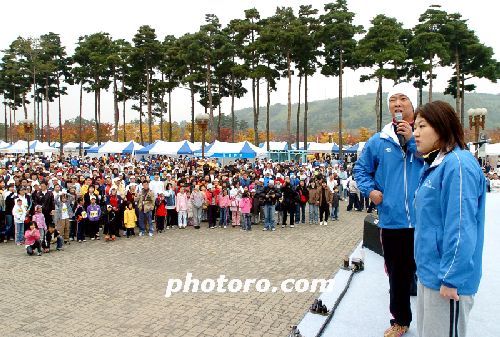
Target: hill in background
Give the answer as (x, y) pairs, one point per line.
(359, 111)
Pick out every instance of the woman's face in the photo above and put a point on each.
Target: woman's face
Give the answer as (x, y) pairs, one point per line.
(425, 136)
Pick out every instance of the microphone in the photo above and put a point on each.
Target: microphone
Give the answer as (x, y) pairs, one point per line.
(398, 116)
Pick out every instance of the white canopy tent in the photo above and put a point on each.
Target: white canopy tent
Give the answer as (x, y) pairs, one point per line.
(235, 150)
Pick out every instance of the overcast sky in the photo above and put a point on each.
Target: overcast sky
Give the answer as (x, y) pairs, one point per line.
(31, 18)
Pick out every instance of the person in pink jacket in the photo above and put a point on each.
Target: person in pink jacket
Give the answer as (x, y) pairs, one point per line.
(182, 207)
(224, 203)
(245, 208)
(32, 239)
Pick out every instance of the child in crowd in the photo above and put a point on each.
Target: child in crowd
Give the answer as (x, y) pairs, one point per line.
(130, 219)
(224, 203)
(110, 220)
(52, 236)
(19, 212)
(235, 209)
(39, 218)
(81, 220)
(161, 212)
(64, 212)
(190, 208)
(245, 206)
(32, 240)
(335, 204)
(94, 214)
(181, 208)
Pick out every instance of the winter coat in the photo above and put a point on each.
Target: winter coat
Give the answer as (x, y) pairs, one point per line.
(31, 237)
(182, 202)
(328, 195)
(245, 205)
(129, 218)
(313, 196)
(39, 218)
(387, 167)
(145, 201)
(450, 213)
(93, 212)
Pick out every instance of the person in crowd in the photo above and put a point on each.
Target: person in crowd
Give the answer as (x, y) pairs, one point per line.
(94, 215)
(313, 203)
(223, 202)
(335, 203)
(10, 201)
(270, 196)
(234, 206)
(81, 220)
(110, 224)
(32, 240)
(171, 207)
(145, 202)
(245, 207)
(63, 213)
(130, 219)
(197, 202)
(325, 200)
(39, 218)
(19, 213)
(449, 231)
(290, 199)
(160, 212)
(388, 171)
(182, 202)
(301, 205)
(211, 201)
(52, 236)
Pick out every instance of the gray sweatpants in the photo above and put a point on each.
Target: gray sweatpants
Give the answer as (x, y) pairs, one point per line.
(439, 317)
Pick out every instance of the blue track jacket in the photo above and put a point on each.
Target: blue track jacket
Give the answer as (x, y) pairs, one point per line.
(449, 233)
(384, 166)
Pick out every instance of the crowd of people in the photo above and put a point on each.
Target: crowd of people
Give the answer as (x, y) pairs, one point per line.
(54, 201)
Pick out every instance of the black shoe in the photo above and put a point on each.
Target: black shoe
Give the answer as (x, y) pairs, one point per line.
(314, 306)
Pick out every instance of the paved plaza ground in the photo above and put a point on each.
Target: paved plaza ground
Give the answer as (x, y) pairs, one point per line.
(117, 289)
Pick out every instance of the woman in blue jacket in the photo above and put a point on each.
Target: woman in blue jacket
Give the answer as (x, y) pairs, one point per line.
(449, 231)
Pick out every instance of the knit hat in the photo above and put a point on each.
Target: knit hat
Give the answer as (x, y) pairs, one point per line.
(406, 89)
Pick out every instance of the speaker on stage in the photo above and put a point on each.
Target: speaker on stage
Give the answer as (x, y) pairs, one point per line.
(371, 235)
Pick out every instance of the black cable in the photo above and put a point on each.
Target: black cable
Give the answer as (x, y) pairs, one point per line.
(337, 302)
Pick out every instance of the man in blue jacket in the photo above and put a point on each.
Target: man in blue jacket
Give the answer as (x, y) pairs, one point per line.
(388, 173)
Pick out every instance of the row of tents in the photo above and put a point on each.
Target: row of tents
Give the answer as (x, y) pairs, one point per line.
(216, 149)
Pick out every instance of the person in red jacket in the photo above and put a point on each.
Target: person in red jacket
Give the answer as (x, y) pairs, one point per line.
(161, 212)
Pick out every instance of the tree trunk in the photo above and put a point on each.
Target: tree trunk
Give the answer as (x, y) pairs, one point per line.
(99, 112)
(255, 116)
(379, 104)
(341, 142)
(220, 114)
(289, 116)
(10, 124)
(60, 118)
(297, 133)
(306, 110)
(5, 128)
(47, 107)
(430, 81)
(457, 99)
(268, 105)
(162, 108)
(256, 136)
(192, 111)
(34, 103)
(211, 123)
(123, 112)
(115, 102)
(140, 119)
(80, 150)
(420, 90)
(232, 108)
(40, 112)
(24, 107)
(150, 114)
(462, 93)
(169, 116)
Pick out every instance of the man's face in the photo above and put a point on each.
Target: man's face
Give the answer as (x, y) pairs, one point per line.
(401, 103)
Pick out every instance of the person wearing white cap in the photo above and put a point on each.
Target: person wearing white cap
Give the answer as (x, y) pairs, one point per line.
(388, 173)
